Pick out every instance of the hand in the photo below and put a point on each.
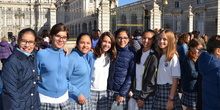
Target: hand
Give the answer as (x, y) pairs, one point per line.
(170, 105)
(140, 103)
(120, 98)
(82, 99)
(130, 94)
(65, 49)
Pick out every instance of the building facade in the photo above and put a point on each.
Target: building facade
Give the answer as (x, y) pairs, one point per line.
(177, 15)
(18, 14)
(85, 15)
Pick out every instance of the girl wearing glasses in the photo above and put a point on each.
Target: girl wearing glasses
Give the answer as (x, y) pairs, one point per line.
(122, 70)
(19, 75)
(53, 67)
(104, 52)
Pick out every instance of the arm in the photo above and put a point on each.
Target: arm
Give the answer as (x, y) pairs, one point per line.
(129, 78)
(189, 67)
(149, 78)
(10, 79)
(72, 88)
(170, 104)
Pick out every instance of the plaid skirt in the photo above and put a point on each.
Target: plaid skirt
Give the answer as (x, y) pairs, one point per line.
(77, 106)
(60, 106)
(112, 95)
(147, 103)
(161, 98)
(189, 99)
(98, 100)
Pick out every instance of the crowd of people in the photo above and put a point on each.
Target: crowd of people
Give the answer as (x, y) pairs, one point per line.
(107, 70)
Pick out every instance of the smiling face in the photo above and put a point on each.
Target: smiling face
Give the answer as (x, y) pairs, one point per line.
(59, 40)
(106, 44)
(147, 40)
(84, 45)
(27, 42)
(122, 39)
(163, 42)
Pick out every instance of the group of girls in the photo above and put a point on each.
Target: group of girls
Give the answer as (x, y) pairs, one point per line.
(86, 79)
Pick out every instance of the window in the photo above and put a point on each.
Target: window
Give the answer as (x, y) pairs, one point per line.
(177, 4)
(200, 1)
(91, 1)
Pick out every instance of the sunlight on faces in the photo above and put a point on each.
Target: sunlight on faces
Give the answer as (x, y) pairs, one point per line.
(58, 40)
(106, 44)
(195, 50)
(147, 40)
(27, 43)
(84, 44)
(122, 39)
(163, 41)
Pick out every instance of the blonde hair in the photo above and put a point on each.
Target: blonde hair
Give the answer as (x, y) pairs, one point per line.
(171, 47)
(4, 39)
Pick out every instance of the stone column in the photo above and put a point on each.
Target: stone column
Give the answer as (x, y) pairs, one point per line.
(104, 16)
(155, 16)
(190, 26)
(218, 19)
(52, 19)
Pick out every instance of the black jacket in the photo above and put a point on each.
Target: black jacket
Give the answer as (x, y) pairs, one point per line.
(19, 77)
(150, 75)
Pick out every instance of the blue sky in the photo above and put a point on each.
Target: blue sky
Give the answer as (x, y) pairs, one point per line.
(124, 2)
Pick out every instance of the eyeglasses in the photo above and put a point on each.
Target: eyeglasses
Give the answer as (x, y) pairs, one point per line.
(58, 37)
(121, 38)
(24, 42)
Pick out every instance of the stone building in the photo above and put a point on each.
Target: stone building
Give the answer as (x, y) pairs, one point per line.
(85, 15)
(18, 14)
(177, 15)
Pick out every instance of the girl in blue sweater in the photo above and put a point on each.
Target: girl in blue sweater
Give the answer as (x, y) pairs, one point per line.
(53, 66)
(79, 74)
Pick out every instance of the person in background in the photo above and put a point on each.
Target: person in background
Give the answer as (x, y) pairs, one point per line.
(182, 46)
(95, 37)
(104, 52)
(137, 40)
(166, 96)
(53, 66)
(20, 75)
(144, 85)
(189, 75)
(79, 74)
(122, 70)
(5, 50)
(209, 68)
(13, 41)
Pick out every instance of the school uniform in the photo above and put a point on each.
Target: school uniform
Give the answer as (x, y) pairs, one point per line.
(166, 72)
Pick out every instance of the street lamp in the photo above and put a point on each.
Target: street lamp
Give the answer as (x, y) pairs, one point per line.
(164, 3)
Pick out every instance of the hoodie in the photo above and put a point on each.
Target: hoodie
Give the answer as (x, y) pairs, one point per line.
(5, 49)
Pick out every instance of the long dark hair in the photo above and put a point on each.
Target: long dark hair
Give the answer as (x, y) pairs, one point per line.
(112, 51)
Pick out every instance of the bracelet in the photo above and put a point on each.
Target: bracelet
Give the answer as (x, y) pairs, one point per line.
(170, 99)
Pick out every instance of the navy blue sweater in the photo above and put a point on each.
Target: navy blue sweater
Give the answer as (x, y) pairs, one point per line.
(189, 76)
